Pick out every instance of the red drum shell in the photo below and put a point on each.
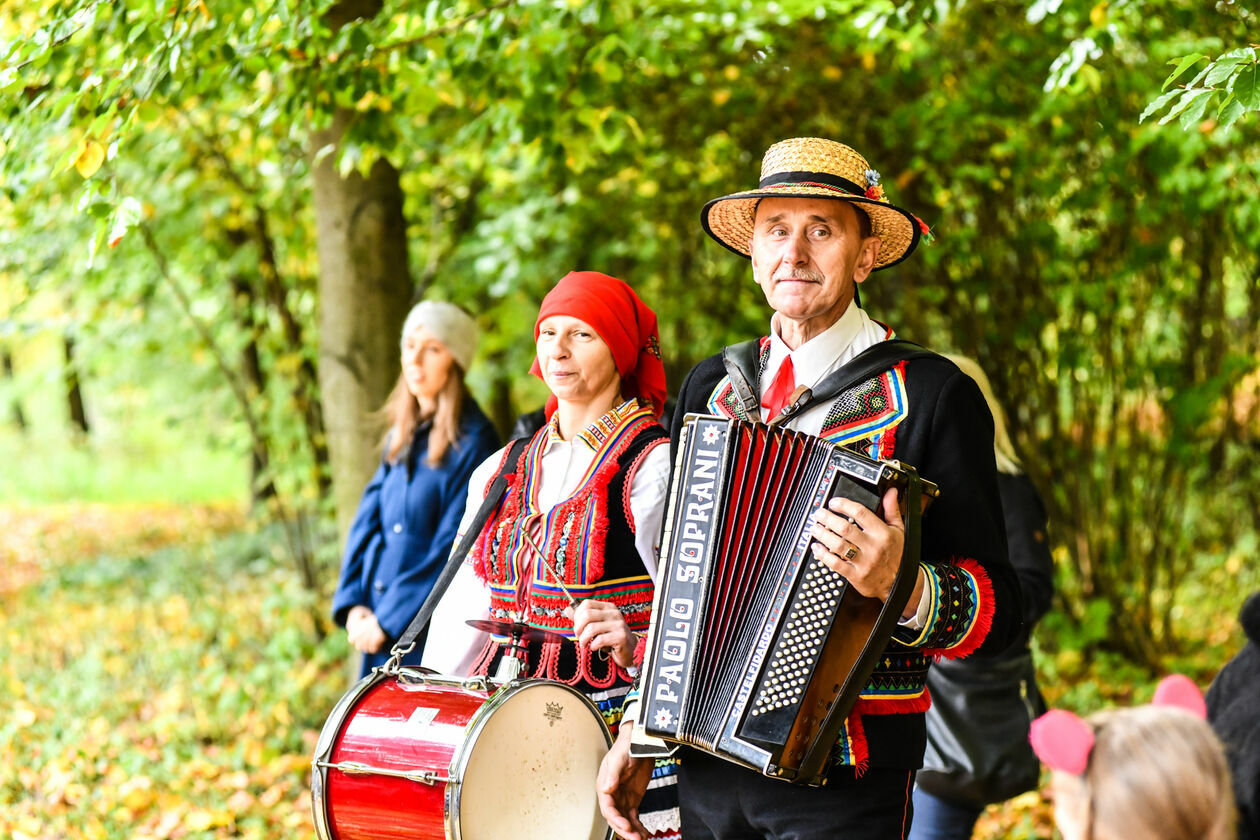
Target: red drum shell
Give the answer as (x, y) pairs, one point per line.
(412, 723)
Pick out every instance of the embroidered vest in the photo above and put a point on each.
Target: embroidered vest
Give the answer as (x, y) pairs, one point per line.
(587, 541)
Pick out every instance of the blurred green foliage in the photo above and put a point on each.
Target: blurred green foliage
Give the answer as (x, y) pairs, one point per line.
(1102, 269)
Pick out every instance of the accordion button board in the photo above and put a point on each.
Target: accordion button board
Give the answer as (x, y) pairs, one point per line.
(757, 651)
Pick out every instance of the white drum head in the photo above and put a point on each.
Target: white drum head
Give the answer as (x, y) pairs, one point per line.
(529, 767)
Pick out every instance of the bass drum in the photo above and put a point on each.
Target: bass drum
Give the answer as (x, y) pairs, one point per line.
(414, 756)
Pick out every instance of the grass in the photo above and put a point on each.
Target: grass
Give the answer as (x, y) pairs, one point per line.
(39, 468)
(164, 678)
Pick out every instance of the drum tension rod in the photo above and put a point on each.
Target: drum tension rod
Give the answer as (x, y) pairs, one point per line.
(355, 768)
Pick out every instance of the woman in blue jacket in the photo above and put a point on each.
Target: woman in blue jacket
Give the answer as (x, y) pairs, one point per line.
(411, 509)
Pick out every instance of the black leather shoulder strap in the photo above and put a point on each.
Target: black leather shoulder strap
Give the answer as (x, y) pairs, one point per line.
(743, 362)
(870, 362)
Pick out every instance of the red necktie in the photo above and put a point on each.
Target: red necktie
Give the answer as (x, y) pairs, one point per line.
(780, 390)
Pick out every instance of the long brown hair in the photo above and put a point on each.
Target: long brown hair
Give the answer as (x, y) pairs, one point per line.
(402, 412)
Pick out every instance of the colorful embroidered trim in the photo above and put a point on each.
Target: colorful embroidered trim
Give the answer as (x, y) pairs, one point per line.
(898, 676)
(962, 608)
(867, 412)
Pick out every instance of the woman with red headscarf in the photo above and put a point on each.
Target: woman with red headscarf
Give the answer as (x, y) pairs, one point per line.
(581, 515)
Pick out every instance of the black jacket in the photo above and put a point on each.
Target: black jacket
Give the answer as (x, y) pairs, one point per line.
(1233, 704)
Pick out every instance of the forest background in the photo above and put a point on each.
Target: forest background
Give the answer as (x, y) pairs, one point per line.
(215, 214)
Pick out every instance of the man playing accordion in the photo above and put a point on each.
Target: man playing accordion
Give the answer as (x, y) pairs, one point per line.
(817, 225)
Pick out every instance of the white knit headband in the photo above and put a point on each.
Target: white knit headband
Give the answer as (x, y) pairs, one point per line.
(453, 327)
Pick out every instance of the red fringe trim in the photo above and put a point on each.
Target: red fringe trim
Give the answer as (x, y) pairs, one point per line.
(548, 666)
(598, 500)
(984, 612)
(857, 737)
(482, 665)
(892, 705)
(478, 549)
(865, 706)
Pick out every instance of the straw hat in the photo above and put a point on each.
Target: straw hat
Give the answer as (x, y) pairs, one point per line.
(813, 167)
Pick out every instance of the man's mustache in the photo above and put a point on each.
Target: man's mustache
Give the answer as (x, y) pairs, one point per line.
(798, 274)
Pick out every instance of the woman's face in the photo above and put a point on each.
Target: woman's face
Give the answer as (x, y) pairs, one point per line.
(426, 364)
(576, 363)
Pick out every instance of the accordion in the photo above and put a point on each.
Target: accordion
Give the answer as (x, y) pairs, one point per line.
(757, 651)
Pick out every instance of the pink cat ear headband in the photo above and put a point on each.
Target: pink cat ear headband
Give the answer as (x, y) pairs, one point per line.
(1063, 741)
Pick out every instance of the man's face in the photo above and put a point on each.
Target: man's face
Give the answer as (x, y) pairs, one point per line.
(807, 253)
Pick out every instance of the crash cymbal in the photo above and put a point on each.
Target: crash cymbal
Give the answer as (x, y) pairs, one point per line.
(515, 629)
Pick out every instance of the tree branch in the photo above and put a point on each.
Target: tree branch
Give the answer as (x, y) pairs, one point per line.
(445, 29)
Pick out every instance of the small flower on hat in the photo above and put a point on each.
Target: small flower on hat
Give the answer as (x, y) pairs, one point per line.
(874, 191)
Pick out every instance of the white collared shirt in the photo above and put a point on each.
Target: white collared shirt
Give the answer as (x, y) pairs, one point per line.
(452, 645)
(822, 354)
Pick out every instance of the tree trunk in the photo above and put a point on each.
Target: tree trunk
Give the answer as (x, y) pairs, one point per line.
(364, 289)
(74, 389)
(262, 487)
(15, 407)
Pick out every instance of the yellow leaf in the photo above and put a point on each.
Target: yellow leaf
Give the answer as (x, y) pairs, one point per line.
(89, 159)
(24, 716)
(201, 819)
(868, 61)
(240, 802)
(1098, 14)
(137, 793)
(273, 794)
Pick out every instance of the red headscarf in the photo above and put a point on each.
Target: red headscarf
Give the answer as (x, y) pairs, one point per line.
(624, 322)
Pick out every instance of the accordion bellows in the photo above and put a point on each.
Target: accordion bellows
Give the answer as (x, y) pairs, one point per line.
(757, 652)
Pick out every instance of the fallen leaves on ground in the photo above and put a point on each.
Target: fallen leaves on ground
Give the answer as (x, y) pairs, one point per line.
(162, 673)
(35, 537)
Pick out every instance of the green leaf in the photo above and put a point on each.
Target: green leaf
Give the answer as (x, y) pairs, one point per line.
(1157, 103)
(1220, 70)
(125, 218)
(1229, 113)
(1246, 87)
(1184, 102)
(1182, 66)
(1194, 111)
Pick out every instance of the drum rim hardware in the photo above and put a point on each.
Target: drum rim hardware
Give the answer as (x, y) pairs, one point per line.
(358, 768)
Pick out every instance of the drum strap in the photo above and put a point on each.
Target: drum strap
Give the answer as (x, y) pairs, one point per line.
(493, 496)
(741, 362)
